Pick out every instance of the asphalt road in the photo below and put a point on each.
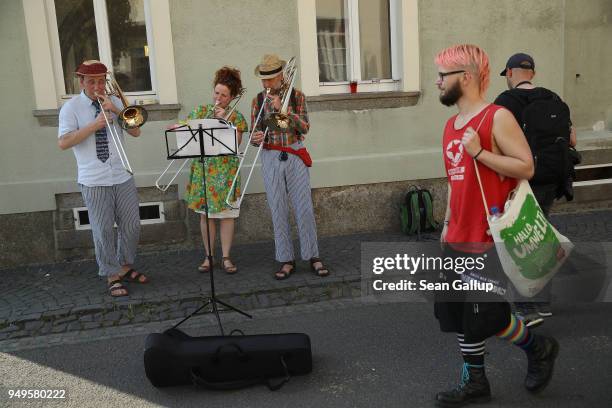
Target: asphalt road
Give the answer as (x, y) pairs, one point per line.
(382, 355)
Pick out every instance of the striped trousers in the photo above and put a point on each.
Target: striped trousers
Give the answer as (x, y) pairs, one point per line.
(284, 181)
(107, 205)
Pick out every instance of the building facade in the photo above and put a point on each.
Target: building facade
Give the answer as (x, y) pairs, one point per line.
(367, 146)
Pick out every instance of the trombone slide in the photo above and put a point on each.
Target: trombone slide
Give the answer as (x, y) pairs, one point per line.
(165, 187)
(236, 204)
(116, 140)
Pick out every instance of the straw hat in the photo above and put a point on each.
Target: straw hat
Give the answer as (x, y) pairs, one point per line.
(271, 66)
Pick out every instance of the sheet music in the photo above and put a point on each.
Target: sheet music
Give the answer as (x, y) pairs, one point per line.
(220, 138)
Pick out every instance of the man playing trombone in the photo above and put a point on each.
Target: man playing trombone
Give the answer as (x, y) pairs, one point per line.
(108, 188)
(285, 164)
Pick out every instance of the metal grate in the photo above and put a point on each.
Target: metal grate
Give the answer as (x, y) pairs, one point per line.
(150, 213)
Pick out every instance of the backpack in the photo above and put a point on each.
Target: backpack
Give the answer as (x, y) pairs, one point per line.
(416, 212)
(546, 123)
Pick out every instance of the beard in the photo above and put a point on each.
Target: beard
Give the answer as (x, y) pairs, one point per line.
(451, 95)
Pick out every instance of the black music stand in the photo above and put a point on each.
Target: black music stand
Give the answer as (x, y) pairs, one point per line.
(185, 149)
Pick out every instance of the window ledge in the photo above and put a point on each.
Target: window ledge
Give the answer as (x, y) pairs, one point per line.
(365, 100)
(157, 112)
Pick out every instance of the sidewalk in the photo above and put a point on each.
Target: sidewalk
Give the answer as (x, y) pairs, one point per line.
(71, 297)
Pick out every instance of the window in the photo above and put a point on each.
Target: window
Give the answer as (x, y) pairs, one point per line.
(372, 42)
(142, 57)
(354, 44)
(113, 31)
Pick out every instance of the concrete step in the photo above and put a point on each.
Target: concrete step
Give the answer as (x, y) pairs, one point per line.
(595, 147)
(593, 190)
(593, 185)
(594, 172)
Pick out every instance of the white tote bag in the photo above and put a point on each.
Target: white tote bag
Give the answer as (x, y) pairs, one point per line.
(530, 249)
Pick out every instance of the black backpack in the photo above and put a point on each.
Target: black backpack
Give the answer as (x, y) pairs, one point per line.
(546, 123)
(416, 212)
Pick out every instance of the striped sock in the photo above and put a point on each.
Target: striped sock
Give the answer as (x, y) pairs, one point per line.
(517, 333)
(473, 353)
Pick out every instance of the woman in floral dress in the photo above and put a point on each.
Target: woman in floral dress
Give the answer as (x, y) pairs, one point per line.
(220, 171)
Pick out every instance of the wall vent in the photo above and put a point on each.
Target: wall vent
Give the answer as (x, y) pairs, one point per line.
(150, 213)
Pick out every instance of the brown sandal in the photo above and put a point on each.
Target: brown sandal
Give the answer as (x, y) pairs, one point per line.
(232, 269)
(132, 275)
(116, 288)
(204, 268)
(322, 271)
(282, 274)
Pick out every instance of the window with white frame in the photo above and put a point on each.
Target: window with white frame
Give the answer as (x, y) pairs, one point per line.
(142, 59)
(357, 42)
(116, 32)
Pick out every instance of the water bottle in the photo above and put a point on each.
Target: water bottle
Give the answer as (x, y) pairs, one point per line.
(495, 214)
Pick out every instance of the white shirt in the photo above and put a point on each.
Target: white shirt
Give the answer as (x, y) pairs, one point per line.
(77, 113)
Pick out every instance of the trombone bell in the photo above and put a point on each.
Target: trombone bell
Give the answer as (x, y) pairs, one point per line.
(277, 121)
(132, 117)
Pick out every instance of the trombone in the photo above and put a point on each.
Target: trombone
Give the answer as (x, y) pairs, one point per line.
(164, 187)
(272, 121)
(130, 117)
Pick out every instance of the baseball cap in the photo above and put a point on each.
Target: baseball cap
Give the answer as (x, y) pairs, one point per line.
(519, 60)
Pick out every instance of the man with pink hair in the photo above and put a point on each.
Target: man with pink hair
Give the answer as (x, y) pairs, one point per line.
(487, 136)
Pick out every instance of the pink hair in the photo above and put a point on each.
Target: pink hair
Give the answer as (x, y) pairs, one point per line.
(467, 56)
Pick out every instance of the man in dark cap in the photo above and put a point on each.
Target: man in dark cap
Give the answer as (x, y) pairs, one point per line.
(108, 189)
(523, 95)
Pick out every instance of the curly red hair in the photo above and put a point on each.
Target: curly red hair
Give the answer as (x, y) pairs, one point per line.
(229, 77)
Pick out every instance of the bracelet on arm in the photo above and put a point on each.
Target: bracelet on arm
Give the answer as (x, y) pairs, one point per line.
(478, 154)
(446, 222)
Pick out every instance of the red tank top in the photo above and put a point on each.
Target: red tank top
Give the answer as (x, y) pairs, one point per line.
(468, 220)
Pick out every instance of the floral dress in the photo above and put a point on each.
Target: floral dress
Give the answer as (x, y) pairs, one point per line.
(220, 172)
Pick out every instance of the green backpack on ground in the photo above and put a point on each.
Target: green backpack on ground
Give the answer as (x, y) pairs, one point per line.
(416, 212)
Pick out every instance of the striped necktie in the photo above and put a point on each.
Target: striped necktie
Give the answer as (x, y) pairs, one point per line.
(101, 139)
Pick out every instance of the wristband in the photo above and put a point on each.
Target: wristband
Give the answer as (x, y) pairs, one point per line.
(478, 154)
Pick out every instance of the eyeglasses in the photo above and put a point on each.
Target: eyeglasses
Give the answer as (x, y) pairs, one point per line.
(441, 75)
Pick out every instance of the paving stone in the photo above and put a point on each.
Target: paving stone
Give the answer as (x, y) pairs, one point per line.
(124, 320)
(86, 318)
(113, 316)
(18, 334)
(141, 319)
(60, 328)
(74, 326)
(73, 296)
(9, 329)
(64, 320)
(91, 325)
(263, 301)
(30, 316)
(33, 325)
(84, 308)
